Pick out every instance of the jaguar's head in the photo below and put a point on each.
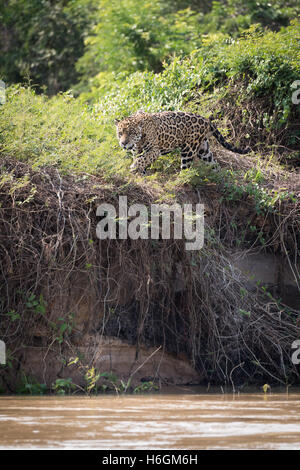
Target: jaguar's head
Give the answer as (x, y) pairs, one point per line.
(128, 133)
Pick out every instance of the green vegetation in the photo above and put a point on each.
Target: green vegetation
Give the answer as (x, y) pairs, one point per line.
(109, 383)
(57, 131)
(63, 386)
(122, 56)
(41, 41)
(29, 386)
(56, 43)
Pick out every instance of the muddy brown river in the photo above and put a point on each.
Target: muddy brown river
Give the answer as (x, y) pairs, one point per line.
(158, 421)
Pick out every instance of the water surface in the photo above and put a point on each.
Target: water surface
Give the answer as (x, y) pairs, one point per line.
(159, 421)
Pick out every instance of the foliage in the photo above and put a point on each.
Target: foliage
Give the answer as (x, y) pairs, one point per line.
(145, 387)
(234, 16)
(63, 386)
(42, 40)
(63, 327)
(30, 386)
(100, 381)
(270, 62)
(131, 36)
(37, 305)
(223, 72)
(53, 43)
(108, 381)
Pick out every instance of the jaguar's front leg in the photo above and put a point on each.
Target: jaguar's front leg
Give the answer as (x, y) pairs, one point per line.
(143, 161)
(134, 168)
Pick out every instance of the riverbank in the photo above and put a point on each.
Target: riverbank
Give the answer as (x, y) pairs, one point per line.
(136, 314)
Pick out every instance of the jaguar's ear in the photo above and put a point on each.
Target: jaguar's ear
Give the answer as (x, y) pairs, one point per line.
(117, 121)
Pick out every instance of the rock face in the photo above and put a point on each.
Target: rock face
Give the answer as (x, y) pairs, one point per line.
(111, 355)
(273, 272)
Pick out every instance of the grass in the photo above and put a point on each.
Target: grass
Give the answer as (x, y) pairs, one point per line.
(59, 131)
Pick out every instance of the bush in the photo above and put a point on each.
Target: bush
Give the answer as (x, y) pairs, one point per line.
(41, 41)
(251, 77)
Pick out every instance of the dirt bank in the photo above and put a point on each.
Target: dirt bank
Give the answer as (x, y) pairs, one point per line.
(143, 310)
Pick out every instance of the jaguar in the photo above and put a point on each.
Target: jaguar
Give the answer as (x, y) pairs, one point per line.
(149, 135)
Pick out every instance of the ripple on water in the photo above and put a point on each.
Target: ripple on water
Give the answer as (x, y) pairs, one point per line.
(150, 422)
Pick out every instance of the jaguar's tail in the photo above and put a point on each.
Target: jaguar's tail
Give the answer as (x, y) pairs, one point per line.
(226, 144)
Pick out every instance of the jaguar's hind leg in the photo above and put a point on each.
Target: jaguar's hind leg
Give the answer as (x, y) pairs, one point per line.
(187, 156)
(206, 154)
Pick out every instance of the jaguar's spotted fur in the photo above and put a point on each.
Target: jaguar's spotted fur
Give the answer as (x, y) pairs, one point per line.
(150, 135)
